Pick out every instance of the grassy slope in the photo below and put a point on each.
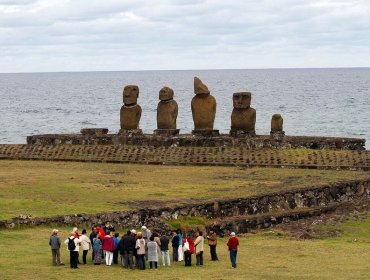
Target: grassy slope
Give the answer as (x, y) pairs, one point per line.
(55, 188)
(25, 254)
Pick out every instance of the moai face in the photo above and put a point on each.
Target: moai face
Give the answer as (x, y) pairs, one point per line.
(242, 100)
(166, 94)
(130, 95)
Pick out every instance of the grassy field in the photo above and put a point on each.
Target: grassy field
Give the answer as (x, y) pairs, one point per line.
(56, 188)
(25, 254)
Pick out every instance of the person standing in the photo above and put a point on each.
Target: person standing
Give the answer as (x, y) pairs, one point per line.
(164, 250)
(180, 253)
(152, 253)
(199, 248)
(212, 243)
(86, 245)
(126, 248)
(116, 242)
(233, 244)
(54, 243)
(140, 251)
(108, 248)
(146, 236)
(73, 244)
(175, 246)
(93, 234)
(188, 249)
(97, 249)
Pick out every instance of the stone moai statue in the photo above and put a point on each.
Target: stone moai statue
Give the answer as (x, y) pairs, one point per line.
(277, 127)
(131, 111)
(203, 108)
(166, 113)
(243, 116)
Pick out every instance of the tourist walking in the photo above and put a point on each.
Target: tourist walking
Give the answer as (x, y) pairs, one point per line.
(73, 244)
(108, 248)
(188, 249)
(233, 244)
(54, 243)
(116, 249)
(97, 249)
(152, 253)
(175, 246)
(212, 243)
(140, 251)
(199, 248)
(86, 245)
(165, 253)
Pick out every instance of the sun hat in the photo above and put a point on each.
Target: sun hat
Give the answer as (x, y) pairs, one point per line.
(133, 231)
(232, 234)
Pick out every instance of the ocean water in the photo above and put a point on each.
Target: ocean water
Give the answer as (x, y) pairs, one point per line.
(325, 102)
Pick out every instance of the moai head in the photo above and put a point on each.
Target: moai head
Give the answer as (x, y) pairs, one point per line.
(199, 87)
(242, 100)
(276, 123)
(130, 95)
(166, 94)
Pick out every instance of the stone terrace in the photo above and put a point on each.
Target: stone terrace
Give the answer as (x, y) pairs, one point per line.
(222, 156)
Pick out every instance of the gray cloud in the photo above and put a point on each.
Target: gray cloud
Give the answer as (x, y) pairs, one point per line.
(51, 35)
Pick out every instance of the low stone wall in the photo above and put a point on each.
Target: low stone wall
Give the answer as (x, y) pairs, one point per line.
(321, 196)
(188, 140)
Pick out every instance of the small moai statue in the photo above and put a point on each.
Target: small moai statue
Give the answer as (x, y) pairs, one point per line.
(277, 132)
(243, 116)
(166, 113)
(131, 111)
(203, 108)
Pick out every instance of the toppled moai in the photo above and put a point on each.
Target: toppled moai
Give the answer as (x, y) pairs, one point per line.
(166, 113)
(243, 116)
(131, 111)
(203, 108)
(277, 127)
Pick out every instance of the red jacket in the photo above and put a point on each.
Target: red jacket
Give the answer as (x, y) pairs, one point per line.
(102, 233)
(233, 243)
(191, 244)
(108, 243)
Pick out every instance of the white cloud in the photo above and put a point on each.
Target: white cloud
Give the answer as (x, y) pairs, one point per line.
(66, 35)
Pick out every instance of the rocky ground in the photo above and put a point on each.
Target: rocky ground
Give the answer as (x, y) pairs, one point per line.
(326, 225)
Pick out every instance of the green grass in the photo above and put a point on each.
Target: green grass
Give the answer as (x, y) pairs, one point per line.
(57, 188)
(25, 254)
(187, 222)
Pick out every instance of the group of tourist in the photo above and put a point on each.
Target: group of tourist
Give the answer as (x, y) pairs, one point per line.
(137, 248)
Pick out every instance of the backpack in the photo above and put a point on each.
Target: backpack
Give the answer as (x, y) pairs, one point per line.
(71, 244)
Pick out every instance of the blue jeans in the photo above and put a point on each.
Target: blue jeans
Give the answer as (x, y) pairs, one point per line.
(233, 254)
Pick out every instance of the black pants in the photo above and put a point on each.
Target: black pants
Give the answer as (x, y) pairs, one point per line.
(187, 256)
(141, 261)
(155, 264)
(73, 259)
(115, 256)
(200, 258)
(175, 253)
(84, 254)
(213, 252)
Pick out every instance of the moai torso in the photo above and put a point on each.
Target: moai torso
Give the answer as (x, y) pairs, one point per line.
(276, 123)
(203, 107)
(130, 113)
(167, 110)
(243, 117)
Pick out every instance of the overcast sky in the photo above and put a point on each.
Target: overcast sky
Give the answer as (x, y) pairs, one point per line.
(86, 35)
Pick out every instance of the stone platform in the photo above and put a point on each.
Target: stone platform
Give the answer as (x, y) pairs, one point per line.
(189, 140)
